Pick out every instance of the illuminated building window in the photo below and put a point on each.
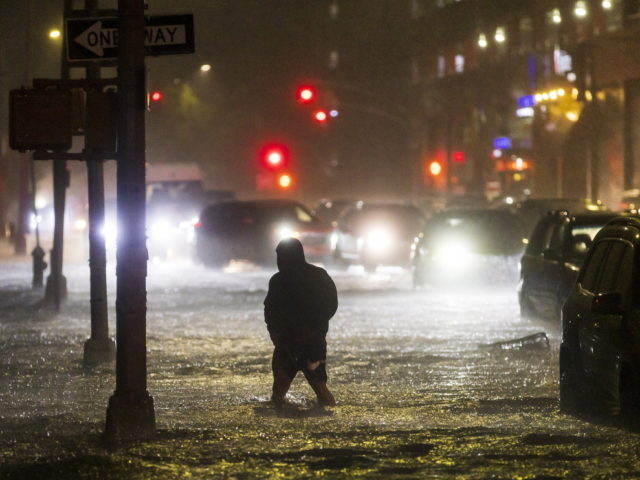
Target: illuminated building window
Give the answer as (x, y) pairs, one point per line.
(459, 63)
(554, 16)
(334, 10)
(441, 66)
(334, 59)
(580, 9)
(482, 41)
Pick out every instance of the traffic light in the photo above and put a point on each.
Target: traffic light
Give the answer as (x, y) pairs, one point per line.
(457, 156)
(435, 168)
(320, 116)
(285, 180)
(305, 94)
(274, 156)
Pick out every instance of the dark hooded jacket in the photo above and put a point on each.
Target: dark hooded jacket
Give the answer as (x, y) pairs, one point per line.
(301, 298)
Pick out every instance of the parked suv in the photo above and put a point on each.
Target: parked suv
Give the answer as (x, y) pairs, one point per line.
(555, 252)
(600, 350)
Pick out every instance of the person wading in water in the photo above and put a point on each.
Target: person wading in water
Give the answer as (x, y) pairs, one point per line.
(301, 300)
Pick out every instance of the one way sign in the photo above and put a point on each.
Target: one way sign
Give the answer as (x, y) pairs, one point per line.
(97, 38)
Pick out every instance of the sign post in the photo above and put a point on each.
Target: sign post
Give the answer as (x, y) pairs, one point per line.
(130, 414)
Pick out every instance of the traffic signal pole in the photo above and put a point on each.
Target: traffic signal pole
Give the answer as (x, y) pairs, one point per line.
(130, 414)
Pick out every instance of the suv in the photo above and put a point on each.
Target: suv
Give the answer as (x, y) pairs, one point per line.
(468, 247)
(600, 350)
(555, 252)
(251, 229)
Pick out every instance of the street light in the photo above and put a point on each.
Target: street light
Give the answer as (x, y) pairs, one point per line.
(205, 67)
(54, 33)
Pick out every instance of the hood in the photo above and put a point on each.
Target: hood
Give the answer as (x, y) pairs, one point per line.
(290, 255)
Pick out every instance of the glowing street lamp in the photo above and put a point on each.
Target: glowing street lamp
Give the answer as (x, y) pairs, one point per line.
(205, 67)
(54, 34)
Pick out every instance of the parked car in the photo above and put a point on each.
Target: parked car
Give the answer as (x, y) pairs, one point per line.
(555, 252)
(600, 349)
(372, 234)
(468, 246)
(251, 229)
(531, 210)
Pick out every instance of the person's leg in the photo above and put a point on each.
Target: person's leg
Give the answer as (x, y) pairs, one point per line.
(316, 375)
(282, 375)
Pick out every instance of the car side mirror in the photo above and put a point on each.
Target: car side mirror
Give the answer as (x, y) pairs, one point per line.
(609, 303)
(551, 254)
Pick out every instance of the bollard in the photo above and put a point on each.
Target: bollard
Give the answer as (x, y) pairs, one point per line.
(39, 266)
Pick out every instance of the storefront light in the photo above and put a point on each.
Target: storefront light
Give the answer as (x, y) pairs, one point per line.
(482, 41)
(571, 116)
(556, 17)
(500, 36)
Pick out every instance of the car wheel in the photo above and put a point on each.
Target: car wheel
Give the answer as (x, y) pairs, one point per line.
(569, 385)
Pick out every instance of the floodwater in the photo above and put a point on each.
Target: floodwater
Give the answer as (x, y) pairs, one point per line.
(424, 388)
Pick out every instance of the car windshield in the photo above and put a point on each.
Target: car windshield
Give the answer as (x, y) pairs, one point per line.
(233, 214)
(404, 218)
(489, 232)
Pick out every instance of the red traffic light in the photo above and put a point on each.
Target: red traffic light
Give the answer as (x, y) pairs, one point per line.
(458, 156)
(156, 96)
(320, 116)
(274, 156)
(305, 94)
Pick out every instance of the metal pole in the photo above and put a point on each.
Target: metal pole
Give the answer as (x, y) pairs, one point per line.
(130, 415)
(20, 241)
(99, 347)
(593, 192)
(631, 103)
(56, 290)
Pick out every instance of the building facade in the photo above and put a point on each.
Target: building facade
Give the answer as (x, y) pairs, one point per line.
(524, 97)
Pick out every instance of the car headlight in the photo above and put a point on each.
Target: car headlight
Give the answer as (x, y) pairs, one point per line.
(379, 240)
(160, 228)
(285, 231)
(110, 233)
(453, 252)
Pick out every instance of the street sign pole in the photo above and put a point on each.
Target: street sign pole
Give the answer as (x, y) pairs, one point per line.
(99, 347)
(56, 288)
(130, 414)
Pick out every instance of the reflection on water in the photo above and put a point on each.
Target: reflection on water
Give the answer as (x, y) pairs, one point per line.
(419, 393)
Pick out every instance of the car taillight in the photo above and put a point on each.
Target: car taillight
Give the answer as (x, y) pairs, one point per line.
(198, 224)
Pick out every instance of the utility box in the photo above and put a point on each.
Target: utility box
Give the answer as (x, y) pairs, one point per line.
(40, 119)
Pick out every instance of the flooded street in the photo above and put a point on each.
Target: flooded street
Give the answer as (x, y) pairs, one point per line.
(424, 388)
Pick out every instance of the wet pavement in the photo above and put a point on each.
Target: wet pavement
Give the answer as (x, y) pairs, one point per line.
(429, 385)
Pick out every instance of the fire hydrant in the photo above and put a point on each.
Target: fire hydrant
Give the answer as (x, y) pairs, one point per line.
(39, 266)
